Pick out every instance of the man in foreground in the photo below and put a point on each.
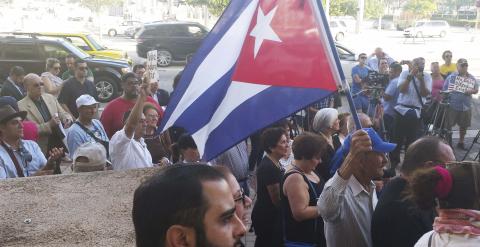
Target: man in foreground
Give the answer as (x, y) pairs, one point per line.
(349, 197)
(200, 210)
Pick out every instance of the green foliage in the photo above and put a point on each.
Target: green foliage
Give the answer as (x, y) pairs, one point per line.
(420, 8)
(96, 5)
(374, 8)
(342, 7)
(216, 7)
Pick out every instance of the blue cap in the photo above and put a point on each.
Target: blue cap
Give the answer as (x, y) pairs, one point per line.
(378, 145)
(9, 100)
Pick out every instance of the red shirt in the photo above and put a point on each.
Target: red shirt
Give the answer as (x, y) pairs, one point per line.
(112, 115)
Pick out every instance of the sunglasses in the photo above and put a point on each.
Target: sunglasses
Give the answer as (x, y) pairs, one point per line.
(82, 68)
(56, 68)
(363, 57)
(448, 55)
(464, 65)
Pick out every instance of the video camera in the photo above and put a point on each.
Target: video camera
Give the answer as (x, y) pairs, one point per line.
(377, 80)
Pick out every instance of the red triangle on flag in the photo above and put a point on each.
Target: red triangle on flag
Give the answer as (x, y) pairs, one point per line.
(283, 47)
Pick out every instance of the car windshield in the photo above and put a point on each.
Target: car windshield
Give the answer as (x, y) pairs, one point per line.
(419, 24)
(75, 50)
(97, 46)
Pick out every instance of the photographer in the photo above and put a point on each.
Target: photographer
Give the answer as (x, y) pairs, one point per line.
(414, 86)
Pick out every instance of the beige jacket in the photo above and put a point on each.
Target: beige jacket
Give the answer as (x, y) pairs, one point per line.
(33, 114)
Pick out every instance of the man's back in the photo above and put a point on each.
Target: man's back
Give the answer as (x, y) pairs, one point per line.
(72, 89)
(396, 221)
(9, 89)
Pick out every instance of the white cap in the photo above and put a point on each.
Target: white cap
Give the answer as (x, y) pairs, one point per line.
(94, 156)
(85, 99)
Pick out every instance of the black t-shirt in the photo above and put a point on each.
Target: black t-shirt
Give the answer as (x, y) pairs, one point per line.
(396, 221)
(72, 89)
(265, 213)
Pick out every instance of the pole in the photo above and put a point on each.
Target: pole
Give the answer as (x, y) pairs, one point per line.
(327, 9)
(360, 12)
(321, 18)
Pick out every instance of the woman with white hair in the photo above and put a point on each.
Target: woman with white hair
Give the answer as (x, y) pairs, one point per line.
(53, 83)
(326, 124)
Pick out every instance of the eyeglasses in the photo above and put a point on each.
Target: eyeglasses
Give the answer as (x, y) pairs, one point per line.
(82, 68)
(56, 68)
(134, 83)
(464, 65)
(241, 197)
(151, 116)
(363, 57)
(38, 84)
(448, 56)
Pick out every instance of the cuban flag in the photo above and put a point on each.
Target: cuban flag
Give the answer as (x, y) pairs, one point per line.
(263, 61)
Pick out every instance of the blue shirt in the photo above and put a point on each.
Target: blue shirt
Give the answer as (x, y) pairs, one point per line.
(77, 136)
(362, 72)
(29, 165)
(458, 100)
(392, 90)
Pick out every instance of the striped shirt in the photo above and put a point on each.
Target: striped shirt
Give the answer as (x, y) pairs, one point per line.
(236, 158)
(347, 209)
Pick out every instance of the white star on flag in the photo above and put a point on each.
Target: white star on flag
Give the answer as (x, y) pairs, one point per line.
(262, 30)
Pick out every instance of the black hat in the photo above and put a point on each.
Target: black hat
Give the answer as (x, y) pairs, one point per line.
(7, 112)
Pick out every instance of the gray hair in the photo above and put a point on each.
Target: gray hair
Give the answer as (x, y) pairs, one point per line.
(50, 62)
(324, 119)
(365, 121)
(29, 78)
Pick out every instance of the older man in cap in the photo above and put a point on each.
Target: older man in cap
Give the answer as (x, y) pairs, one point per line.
(21, 158)
(349, 197)
(463, 85)
(86, 128)
(46, 112)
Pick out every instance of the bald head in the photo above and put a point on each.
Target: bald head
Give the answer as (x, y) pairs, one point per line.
(30, 78)
(365, 121)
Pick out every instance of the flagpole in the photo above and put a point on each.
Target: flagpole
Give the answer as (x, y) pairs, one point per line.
(321, 18)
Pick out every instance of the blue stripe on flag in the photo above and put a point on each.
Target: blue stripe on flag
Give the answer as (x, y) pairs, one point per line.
(276, 102)
(201, 110)
(229, 16)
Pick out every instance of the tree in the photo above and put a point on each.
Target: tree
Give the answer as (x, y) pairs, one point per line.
(342, 7)
(215, 7)
(374, 8)
(96, 5)
(420, 8)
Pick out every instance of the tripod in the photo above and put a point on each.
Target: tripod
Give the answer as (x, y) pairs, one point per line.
(373, 111)
(475, 140)
(437, 127)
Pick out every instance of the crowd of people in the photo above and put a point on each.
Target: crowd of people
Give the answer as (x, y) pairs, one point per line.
(322, 183)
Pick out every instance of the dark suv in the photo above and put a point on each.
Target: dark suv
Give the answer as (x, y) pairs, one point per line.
(174, 41)
(31, 53)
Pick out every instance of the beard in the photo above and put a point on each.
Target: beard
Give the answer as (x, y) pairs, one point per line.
(202, 241)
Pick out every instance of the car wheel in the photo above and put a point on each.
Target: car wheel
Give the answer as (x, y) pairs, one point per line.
(419, 35)
(164, 58)
(106, 88)
(339, 36)
(112, 32)
(443, 34)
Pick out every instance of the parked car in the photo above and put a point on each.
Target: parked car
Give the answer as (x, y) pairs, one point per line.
(427, 29)
(89, 44)
(338, 29)
(347, 60)
(386, 24)
(174, 41)
(31, 52)
(123, 28)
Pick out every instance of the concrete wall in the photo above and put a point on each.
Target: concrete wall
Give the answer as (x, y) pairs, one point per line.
(88, 209)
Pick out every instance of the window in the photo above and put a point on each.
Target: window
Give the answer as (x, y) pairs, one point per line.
(55, 51)
(179, 31)
(80, 43)
(333, 24)
(21, 51)
(195, 31)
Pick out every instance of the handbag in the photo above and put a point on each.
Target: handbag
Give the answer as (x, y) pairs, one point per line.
(287, 243)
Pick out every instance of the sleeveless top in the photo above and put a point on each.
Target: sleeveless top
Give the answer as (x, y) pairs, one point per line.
(307, 231)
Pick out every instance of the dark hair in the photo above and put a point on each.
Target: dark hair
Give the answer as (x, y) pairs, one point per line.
(147, 106)
(184, 142)
(128, 75)
(396, 67)
(424, 149)
(361, 54)
(138, 66)
(17, 71)
(461, 195)
(270, 138)
(77, 61)
(174, 196)
(69, 55)
(50, 62)
(308, 145)
(445, 53)
(176, 80)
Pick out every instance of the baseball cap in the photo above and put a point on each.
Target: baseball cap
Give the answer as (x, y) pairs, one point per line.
(89, 157)
(462, 61)
(378, 145)
(85, 99)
